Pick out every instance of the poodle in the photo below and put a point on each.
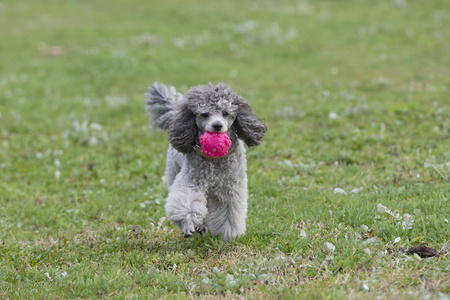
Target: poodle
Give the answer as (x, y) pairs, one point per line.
(205, 193)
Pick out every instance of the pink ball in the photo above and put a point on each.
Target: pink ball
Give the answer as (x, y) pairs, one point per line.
(215, 144)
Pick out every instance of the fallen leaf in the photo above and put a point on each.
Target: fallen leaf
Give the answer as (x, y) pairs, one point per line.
(423, 251)
(260, 282)
(368, 235)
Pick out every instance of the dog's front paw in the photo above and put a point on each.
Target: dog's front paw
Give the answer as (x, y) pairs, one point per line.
(188, 229)
(200, 229)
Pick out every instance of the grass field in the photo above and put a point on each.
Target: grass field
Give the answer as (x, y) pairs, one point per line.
(354, 169)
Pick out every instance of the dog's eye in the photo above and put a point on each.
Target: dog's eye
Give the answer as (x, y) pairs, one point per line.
(205, 115)
(225, 113)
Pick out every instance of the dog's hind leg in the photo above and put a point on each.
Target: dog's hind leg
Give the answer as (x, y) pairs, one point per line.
(172, 169)
(186, 208)
(173, 165)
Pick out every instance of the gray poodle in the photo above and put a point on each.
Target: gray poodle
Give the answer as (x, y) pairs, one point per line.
(205, 194)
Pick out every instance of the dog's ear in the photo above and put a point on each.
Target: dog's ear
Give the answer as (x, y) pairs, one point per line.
(248, 126)
(183, 129)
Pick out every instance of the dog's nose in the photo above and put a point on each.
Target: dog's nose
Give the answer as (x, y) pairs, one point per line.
(217, 126)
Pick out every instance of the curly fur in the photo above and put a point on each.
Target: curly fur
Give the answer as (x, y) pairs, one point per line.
(205, 194)
(160, 104)
(182, 129)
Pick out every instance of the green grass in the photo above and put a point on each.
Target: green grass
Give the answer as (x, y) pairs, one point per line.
(355, 94)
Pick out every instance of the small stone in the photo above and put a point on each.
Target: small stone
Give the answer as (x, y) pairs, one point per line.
(137, 229)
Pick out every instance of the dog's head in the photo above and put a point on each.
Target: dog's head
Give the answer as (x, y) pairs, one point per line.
(214, 109)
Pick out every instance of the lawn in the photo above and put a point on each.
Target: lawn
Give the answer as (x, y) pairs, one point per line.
(354, 170)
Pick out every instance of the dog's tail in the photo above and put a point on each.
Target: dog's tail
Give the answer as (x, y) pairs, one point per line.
(159, 105)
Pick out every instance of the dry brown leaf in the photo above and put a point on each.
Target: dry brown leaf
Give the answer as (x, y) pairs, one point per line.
(260, 282)
(423, 251)
(368, 235)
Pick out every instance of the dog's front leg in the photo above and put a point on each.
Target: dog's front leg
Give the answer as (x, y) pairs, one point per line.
(186, 208)
(227, 216)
